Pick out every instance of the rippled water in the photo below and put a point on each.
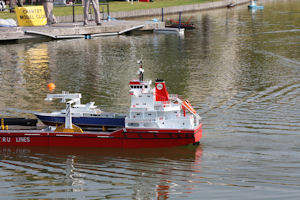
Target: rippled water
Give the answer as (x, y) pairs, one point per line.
(240, 70)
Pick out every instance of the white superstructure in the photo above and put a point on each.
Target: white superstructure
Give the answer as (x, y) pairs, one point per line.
(77, 109)
(155, 108)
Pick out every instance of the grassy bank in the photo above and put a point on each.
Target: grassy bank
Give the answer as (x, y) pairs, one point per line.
(127, 6)
(116, 6)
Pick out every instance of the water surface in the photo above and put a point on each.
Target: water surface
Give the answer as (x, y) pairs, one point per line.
(240, 69)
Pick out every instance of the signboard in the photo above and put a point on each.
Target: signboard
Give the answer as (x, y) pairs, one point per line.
(31, 16)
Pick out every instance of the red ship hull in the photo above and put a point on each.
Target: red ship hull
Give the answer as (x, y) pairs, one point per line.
(123, 138)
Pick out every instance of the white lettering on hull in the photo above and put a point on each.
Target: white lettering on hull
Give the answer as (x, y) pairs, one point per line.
(5, 139)
(22, 139)
(18, 139)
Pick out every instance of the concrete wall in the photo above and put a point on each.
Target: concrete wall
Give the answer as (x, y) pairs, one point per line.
(176, 9)
(157, 11)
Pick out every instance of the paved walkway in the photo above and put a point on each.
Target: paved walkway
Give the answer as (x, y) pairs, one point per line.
(76, 30)
(66, 29)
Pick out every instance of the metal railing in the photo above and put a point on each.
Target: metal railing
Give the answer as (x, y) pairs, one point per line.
(66, 3)
(102, 3)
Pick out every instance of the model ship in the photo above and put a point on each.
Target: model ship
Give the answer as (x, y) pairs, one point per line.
(156, 119)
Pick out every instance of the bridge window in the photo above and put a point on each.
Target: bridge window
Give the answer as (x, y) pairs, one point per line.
(133, 124)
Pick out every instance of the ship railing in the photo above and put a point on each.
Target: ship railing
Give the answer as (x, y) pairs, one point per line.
(139, 120)
(162, 106)
(138, 109)
(142, 119)
(173, 96)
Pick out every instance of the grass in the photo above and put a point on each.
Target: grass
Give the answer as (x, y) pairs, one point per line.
(125, 6)
(115, 6)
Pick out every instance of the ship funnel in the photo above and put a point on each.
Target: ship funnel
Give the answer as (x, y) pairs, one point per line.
(161, 92)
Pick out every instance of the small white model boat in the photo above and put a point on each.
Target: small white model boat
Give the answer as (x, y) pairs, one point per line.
(83, 115)
(254, 6)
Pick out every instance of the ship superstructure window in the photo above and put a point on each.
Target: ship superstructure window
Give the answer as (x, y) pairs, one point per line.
(137, 86)
(133, 124)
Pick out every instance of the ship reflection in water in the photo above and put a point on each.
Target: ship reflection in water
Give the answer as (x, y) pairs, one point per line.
(88, 171)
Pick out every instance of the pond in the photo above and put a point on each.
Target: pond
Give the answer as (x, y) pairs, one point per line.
(240, 69)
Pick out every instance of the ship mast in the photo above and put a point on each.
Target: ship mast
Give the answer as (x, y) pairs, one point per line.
(74, 98)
